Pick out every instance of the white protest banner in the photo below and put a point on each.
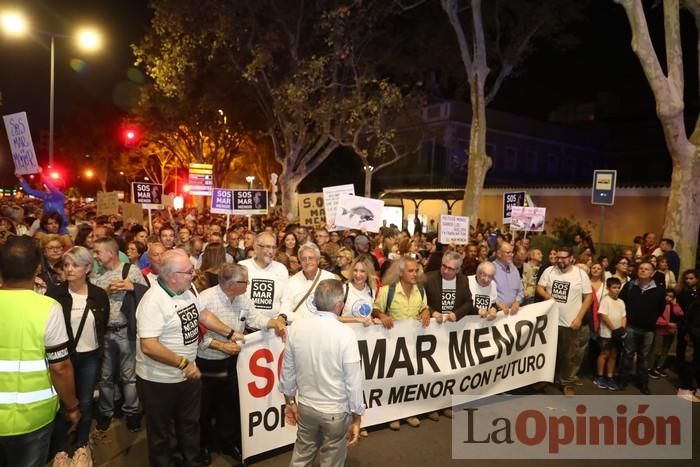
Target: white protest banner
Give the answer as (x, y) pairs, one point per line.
(21, 145)
(221, 201)
(311, 210)
(407, 370)
(331, 197)
(528, 219)
(107, 203)
(454, 229)
(357, 212)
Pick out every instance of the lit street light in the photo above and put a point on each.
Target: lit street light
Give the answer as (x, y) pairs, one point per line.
(89, 173)
(250, 179)
(15, 24)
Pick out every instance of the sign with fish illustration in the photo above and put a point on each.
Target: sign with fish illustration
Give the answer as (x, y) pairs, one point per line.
(528, 219)
(356, 212)
(311, 210)
(331, 197)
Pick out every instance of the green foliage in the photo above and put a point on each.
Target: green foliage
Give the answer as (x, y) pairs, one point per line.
(566, 228)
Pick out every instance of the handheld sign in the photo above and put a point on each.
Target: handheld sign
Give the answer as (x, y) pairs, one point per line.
(528, 219)
(23, 154)
(604, 182)
(249, 202)
(312, 210)
(107, 203)
(148, 195)
(357, 212)
(515, 198)
(454, 229)
(331, 197)
(221, 201)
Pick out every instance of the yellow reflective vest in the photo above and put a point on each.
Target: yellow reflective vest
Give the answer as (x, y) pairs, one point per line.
(28, 400)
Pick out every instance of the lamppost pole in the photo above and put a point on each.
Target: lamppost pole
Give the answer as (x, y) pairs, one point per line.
(51, 99)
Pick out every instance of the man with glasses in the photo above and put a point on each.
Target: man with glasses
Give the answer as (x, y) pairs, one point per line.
(168, 320)
(322, 237)
(302, 285)
(483, 290)
(571, 290)
(508, 282)
(268, 278)
(120, 338)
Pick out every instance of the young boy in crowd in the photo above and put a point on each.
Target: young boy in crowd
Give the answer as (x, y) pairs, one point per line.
(613, 317)
(666, 329)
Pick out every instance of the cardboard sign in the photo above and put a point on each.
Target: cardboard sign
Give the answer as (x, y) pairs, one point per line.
(331, 197)
(168, 200)
(249, 202)
(107, 203)
(357, 212)
(516, 198)
(132, 212)
(148, 195)
(21, 145)
(221, 201)
(528, 219)
(312, 210)
(604, 182)
(454, 229)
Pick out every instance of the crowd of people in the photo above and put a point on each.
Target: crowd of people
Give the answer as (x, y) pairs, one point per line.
(155, 317)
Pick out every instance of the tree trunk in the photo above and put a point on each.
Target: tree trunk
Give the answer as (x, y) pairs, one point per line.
(478, 162)
(682, 213)
(368, 182)
(288, 190)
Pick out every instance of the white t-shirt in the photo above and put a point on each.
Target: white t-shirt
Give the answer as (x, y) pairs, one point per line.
(55, 332)
(449, 293)
(567, 290)
(88, 338)
(173, 320)
(358, 302)
(482, 297)
(297, 287)
(266, 286)
(615, 310)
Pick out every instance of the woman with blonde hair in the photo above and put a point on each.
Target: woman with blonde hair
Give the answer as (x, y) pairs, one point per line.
(343, 263)
(360, 291)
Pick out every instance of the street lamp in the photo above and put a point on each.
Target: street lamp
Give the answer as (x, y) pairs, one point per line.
(15, 24)
(250, 179)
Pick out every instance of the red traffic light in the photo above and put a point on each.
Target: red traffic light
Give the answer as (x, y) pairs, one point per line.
(130, 136)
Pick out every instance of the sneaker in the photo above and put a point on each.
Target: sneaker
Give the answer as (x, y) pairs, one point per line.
(413, 421)
(61, 460)
(686, 394)
(395, 425)
(577, 381)
(133, 423)
(447, 413)
(434, 416)
(661, 372)
(82, 457)
(653, 374)
(612, 385)
(103, 423)
(601, 382)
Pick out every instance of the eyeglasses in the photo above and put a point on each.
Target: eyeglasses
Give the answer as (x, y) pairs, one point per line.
(444, 266)
(267, 247)
(190, 272)
(242, 282)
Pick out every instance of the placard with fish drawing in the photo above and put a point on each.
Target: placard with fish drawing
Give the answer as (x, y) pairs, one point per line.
(356, 212)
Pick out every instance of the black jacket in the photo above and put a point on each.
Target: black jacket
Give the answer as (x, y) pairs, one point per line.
(643, 307)
(97, 303)
(432, 281)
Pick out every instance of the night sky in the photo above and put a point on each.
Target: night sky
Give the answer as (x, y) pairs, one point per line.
(601, 68)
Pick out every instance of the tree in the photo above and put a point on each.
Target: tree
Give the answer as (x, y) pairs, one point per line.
(308, 66)
(492, 42)
(682, 219)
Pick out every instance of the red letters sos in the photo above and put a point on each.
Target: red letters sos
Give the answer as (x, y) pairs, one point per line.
(261, 365)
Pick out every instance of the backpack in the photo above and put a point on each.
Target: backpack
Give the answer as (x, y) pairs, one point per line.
(392, 291)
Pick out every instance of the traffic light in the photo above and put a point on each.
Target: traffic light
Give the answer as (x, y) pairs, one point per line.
(130, 136)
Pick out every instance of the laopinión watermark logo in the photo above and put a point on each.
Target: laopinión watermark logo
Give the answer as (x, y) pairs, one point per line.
(581, 427)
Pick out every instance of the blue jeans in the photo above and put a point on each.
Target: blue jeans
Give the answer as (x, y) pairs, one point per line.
(118, 349)
(86, 366)
(637, 341)
(28, 450)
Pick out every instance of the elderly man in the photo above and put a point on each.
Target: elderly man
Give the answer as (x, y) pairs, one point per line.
(400, 298)
(155, 251)
(268, 278)
(120, 338)
(167, 375)
(571, 289)
(484, 291)
(508, 283)
(231, 305)
(301, 285)
(447, 289)
(322, 382)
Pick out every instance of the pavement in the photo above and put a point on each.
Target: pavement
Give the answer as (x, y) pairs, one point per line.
(427, 445)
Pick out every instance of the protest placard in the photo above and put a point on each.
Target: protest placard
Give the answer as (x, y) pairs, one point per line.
(331, 197)
(516, 198)
(528, 219)
(148, 195)
(357, 212)
(132, 212)
(312, 210)
(454, 229)
(221, 201)
(21, 145)
(249, 202)
(107, 203)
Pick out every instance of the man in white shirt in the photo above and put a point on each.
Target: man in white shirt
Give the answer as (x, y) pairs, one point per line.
(484, 290)
(322, 383)
(167, 376)
(267, 278)
(301, 285)
(571, 290)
